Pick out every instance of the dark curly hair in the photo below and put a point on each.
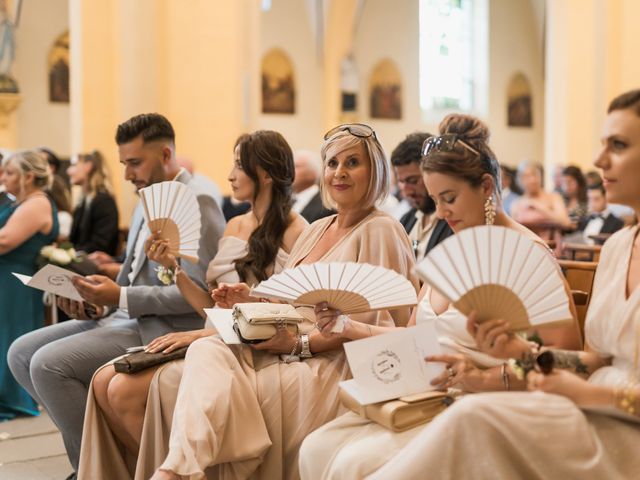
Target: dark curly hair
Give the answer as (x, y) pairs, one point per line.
(271, 152)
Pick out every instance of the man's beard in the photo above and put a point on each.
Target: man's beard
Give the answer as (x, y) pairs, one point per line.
(428, 206)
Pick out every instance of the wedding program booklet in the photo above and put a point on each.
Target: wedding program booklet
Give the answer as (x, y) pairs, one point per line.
(52, 279)
(222, 320)
(392, 365)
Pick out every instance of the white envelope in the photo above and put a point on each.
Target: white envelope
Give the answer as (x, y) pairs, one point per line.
(392, 365)
(52, 279)
(222, 320)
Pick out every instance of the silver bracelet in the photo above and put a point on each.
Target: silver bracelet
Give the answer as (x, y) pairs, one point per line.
(292, 357)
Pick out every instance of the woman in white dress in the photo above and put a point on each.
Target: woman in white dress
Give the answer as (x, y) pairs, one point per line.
(254, 246)
(550, 432)
(461, 174)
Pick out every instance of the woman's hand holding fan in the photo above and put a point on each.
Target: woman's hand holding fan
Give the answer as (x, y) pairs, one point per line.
(172, 211)
(158, 250)
(494, 338)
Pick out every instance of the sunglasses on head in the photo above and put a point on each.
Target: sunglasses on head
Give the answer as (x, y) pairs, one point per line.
(445, 143)
(356, 129)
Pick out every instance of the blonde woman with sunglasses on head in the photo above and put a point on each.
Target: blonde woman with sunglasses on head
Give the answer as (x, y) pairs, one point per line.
(462, 176)
(242, 411)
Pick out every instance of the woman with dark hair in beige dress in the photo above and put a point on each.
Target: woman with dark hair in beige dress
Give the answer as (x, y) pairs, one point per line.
(254, 246)
(550, 432)
(462, 174)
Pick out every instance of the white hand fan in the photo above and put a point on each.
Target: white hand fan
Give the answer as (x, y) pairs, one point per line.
(499, 273)
(349, 287)
(172, 209)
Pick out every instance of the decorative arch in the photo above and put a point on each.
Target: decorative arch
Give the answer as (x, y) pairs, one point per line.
(385, 91)
(278, 83)
(58, 68)
(519, 102)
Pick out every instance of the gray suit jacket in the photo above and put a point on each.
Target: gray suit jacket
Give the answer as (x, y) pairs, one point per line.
(158, 308)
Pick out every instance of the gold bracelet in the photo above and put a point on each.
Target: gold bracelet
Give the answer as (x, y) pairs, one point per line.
(625, 398)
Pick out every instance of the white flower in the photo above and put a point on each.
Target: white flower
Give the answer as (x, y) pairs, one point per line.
(72, 253)
(60, 256)
(47, 251)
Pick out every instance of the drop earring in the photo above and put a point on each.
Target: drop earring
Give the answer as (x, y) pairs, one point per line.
(489, 211)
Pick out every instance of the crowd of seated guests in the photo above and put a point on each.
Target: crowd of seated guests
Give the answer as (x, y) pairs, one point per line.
(271, 409)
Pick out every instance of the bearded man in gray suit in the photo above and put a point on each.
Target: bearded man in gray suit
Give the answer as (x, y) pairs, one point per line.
(56, 363)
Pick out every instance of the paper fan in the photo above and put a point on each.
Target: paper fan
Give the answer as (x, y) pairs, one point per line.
(499, 273)
(172, 209)
(349, 287)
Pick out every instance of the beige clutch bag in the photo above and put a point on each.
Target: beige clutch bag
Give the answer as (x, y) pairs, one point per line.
(401, 414)
(256, 322)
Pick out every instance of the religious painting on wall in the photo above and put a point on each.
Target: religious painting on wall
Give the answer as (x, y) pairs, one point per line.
(278, 86)
(58, 68)
(519, 102)
(385, 87)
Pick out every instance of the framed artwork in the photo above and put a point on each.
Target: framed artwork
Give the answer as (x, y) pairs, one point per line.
(278, 83)
(385, 91)
(58, 68)
(519, 102)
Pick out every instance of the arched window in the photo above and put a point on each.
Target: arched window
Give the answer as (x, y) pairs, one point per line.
(453, 55)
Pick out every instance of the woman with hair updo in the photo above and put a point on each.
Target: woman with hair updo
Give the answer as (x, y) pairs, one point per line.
(26, 226)
(553, 431)
(242, 411)
(462, 176)
(95, 219)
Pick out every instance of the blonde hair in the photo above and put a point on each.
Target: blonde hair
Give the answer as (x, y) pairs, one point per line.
(30, 161)
(378, 187)
(99, 178)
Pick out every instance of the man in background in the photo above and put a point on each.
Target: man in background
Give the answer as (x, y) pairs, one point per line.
(601, 220)
(424, 229)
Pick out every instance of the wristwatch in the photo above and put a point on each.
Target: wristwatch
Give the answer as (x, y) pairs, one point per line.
(305, 351)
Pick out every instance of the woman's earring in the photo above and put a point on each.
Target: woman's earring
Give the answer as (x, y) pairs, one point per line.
(489, 211)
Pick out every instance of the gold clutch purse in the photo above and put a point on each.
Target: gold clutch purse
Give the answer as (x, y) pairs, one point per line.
(401, 414)
(257, 322)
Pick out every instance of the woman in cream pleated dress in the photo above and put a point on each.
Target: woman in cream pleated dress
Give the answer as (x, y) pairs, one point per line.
(462, 175)
(242, 412)
(262, 174)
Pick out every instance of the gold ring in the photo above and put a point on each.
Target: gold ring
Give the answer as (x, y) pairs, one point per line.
(153, 248)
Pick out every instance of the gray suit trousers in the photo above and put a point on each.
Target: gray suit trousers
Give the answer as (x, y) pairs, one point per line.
(55, 365)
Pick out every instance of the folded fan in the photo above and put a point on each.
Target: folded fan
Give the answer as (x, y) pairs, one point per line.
(498, 273)
(349, 287)
(171, 208)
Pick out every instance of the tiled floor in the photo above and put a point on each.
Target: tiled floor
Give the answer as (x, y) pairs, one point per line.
(31, 449)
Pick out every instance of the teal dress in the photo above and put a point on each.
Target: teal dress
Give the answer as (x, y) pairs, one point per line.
(21, 311)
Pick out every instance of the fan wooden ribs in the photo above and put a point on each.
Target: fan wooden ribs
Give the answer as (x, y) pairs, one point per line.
(500, 274)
